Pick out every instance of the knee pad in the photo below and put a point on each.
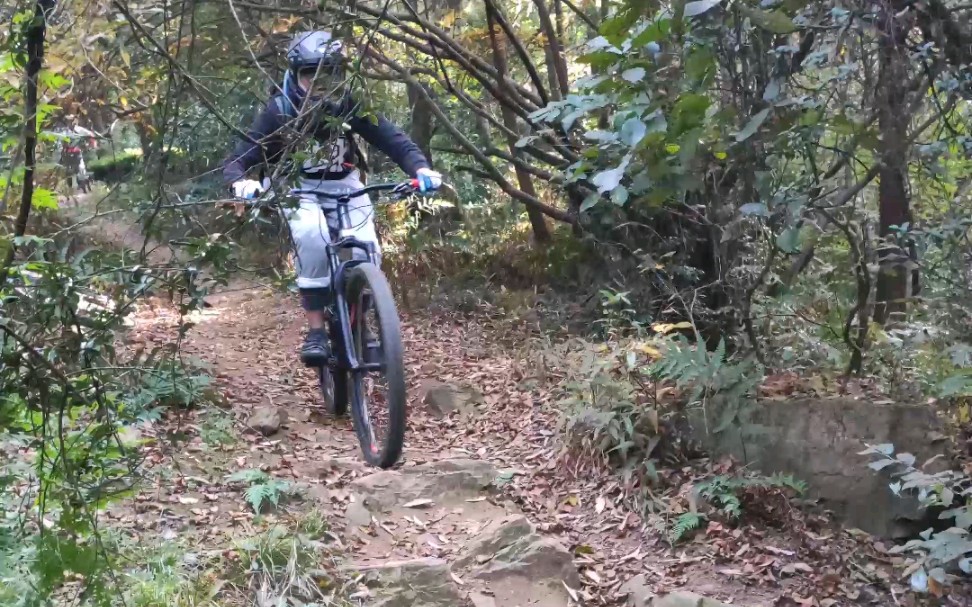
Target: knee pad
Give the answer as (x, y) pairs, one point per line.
(315, 300)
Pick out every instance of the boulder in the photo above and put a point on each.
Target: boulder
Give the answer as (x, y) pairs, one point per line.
(685, 599)
(357, 515)
(639, 592)
(443, 399)
(481, 600)
(265, 420)
(539, 559)
(440, 481)
(818, 441)
(497, 536)
(413, 583)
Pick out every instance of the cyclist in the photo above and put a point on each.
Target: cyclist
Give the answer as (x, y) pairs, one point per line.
(315, 101)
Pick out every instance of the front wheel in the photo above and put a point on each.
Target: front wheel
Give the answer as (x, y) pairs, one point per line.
(378, 395)
(333, 381)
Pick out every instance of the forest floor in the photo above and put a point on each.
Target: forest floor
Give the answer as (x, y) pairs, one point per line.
(487, 507)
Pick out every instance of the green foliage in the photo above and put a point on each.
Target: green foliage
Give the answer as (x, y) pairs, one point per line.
(115, 168)
(291, 566)
(172, 383)
(936, 553)
(168, 575)
(723, 492)
(712, 380)
(686, 523)
(262, 489)
(216, 429)
(729, 495)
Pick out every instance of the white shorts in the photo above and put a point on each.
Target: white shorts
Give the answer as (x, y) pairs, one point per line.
(315, 220)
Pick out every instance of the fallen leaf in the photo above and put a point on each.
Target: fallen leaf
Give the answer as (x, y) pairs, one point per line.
(419, 503)
(791, 568)
(186, 500)
(571, 592)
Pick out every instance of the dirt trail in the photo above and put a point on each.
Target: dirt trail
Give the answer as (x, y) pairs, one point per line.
(483, 510)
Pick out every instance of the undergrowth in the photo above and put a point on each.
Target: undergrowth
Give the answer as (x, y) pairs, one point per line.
(261, 490)
(291, 565)
(730, 497)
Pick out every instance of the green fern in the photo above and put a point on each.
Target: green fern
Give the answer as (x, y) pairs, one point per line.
(786, 481)
(723, 491)
(248, 476)
(262, 488)
(259, 494)
(686, 522)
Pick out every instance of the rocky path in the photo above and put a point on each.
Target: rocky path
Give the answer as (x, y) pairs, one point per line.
(486, 509)
(465, 519)
(483, 509)
(435, 531)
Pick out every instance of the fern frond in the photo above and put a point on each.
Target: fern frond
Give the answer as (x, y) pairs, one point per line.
(248, 476)
(685, 522)
(255, 495)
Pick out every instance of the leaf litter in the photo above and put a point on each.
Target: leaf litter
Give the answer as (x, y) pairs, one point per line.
(602, 517)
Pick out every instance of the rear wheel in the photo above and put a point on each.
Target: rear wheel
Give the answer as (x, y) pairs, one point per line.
(377, 396)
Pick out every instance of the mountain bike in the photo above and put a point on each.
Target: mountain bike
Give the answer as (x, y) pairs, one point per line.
(366, 368)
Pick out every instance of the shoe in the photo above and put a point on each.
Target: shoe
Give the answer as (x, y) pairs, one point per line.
(315, 351)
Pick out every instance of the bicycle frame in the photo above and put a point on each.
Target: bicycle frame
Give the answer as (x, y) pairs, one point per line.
(348, 360)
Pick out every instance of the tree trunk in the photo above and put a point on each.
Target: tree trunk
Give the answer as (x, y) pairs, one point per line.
(555, 52)
(421, 126)
(541, 231)
(893, 202)
(35, 62)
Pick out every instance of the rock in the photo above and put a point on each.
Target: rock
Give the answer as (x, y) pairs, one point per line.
(357, 515)
(541, 560)
(441, 481)
(818, 441)
(420, 582)
(442, 399)
(265, 420)
(494, 538)
(481, 600)
(326, 466)
(638, 591)
(685, 599)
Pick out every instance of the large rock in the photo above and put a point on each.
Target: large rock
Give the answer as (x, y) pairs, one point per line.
(413, 583)
(265, 420)
(639, 592)
(497, 536)
(442, 399)
(440, 481)
(818, 441)
(539, 559)
(685, 599)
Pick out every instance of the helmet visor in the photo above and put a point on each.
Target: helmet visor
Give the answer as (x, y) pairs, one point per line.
(327, 80)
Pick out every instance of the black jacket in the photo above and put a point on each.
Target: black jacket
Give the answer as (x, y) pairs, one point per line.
(267, 137)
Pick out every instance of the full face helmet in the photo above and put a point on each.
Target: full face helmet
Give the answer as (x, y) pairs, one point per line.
(317, 62)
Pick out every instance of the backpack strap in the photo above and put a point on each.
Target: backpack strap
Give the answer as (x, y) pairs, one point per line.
(285, 106)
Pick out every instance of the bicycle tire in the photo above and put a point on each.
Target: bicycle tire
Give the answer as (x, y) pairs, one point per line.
(384, 455)
(334, 382)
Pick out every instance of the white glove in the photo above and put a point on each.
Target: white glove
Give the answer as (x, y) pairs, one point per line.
(428, 180)
(247, 189)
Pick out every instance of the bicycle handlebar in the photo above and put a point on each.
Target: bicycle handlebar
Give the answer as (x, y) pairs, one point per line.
(409, 186)
(405, 187)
